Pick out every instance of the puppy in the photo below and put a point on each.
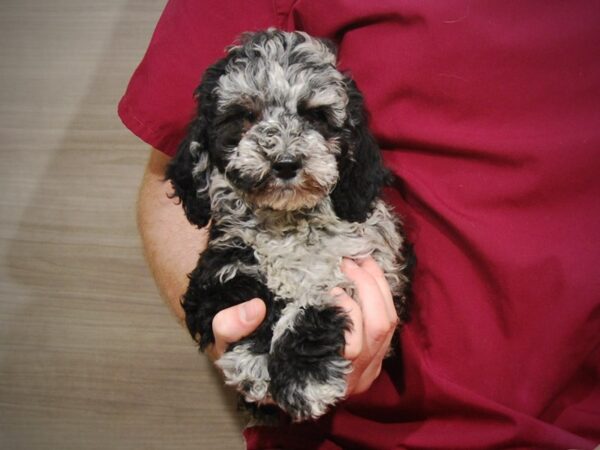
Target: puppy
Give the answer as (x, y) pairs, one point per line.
(280, 161)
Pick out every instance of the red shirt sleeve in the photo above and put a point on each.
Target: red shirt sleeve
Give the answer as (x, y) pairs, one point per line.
(190, 36)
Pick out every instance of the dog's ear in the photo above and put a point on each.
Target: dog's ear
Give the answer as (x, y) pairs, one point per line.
(189, 173)
(190, 170)
(361, 170)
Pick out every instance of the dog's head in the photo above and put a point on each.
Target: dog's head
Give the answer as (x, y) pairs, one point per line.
(284, 127)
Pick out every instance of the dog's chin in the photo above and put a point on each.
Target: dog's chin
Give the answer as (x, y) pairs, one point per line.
(288, 195)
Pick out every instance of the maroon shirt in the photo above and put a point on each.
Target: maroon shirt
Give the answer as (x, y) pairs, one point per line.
(490, 113)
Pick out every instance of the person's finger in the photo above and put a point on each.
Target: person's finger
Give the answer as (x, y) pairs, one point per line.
(232, 324)
(365, 284)
(354, 337)
(377, 322)
(372, 268)
(368, 373)
(366, 379)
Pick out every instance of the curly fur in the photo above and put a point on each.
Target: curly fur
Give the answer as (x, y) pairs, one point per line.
(281, 162)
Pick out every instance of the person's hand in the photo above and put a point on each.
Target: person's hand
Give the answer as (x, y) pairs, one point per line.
(374, 321)
(373, 317)
(232, 324)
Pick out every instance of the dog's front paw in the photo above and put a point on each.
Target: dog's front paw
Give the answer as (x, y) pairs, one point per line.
(310, 393)
(308, 372)
(247, 371)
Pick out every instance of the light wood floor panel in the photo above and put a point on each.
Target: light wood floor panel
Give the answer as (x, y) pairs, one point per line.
(90, 358)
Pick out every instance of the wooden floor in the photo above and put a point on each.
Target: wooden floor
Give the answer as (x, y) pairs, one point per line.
(89, 356)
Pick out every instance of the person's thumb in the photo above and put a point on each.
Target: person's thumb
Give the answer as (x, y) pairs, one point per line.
(232, 324)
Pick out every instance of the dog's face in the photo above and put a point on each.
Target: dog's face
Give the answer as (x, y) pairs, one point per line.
(280, 112)
(283, 126)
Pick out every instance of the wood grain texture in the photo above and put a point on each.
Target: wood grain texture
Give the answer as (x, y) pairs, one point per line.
(90, 358)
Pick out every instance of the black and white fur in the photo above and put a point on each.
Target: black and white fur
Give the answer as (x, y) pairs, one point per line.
(280, 161)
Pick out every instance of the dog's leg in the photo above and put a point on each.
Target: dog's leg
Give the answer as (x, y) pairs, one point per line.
(226, 276)
(245, 363)
(308, 371)
(246, 370)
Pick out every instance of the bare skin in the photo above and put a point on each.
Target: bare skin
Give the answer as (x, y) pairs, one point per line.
(172, 245)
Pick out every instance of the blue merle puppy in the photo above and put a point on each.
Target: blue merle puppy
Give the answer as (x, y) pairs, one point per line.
(280, 161)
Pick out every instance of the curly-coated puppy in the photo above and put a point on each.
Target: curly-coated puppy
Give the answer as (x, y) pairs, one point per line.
(280, 160)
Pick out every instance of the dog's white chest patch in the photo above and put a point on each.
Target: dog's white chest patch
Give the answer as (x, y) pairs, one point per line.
(300, 260)
(303, 264)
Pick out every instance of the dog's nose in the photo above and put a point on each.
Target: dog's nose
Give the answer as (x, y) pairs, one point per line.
(286, 168)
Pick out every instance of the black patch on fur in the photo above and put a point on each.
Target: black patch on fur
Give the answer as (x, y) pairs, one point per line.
(206, 295)
(180, 170)
(319, 119)
(362, 174)
(305, 354)
(268, 414)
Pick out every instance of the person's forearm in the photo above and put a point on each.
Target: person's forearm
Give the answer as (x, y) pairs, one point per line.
(171, 244)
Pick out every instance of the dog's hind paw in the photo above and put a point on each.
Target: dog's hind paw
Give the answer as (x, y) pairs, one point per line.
(308, 371)
(310, 398)
(247, 371)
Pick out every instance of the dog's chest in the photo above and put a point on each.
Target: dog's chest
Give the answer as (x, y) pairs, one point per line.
(299, 260)
(305, 264)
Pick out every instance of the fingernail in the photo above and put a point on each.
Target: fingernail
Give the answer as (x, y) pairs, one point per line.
(249, 311)
(349, 264)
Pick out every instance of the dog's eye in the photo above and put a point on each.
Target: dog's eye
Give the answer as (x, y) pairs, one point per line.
(241, 113)
(246, 115)
(319, 114)
(250, 116)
